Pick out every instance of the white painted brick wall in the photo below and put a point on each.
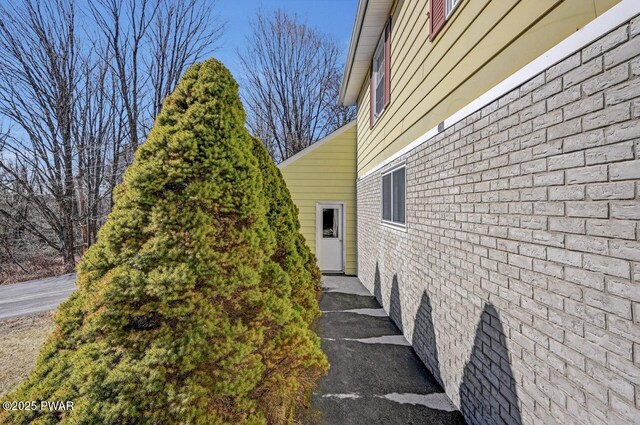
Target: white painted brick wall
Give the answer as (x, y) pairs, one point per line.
(523, 234)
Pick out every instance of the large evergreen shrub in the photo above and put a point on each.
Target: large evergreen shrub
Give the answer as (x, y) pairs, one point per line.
(292, 252)
(189, 309)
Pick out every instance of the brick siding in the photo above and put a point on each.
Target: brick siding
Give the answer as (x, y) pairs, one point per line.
(518, 276)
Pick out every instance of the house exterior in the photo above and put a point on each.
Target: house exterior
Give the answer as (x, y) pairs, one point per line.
(493, 207)
(322, 182)
(497, 167)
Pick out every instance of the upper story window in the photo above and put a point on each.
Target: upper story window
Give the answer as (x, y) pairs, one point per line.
(379, 83)
(378, 80)
(394, 196)
(450, 6)
(439, 12)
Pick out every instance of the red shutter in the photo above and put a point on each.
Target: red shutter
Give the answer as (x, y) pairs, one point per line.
(437, 16)
(387, 64)
(371, 98)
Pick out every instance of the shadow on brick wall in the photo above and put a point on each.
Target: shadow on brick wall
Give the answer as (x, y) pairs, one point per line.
(424, 337)
(487, 393)
(395, 308)
(377, 285)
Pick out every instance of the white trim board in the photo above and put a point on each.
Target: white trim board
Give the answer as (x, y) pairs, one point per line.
(600, 26)
(317, 144)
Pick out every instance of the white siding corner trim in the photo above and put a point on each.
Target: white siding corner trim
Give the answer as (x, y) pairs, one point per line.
(614, 17)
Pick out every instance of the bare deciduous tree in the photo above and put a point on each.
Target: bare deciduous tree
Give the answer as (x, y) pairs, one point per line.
(182, 33)
(38, 77)
(98, 136)
(336, 115)
(123, 25)
(291, 74)
(79, 103)
(151, 43)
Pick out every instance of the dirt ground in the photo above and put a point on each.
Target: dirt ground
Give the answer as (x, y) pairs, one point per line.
(20, 342)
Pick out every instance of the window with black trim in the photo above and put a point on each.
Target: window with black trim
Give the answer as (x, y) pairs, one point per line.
(394, 196)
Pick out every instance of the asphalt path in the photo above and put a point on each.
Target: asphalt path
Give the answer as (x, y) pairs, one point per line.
(375, 376)
(35, 296)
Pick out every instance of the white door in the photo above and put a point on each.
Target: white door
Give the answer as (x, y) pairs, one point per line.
(330, 236)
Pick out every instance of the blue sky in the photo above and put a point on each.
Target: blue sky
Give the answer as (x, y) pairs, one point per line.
(333, 17)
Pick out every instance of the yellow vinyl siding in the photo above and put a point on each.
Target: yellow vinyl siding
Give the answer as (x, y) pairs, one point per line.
(483, 43)
(325, 174)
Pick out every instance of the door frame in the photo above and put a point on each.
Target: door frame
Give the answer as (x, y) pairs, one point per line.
(319, 206)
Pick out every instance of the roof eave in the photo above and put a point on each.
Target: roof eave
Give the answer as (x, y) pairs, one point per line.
(355, 35)
(375, 11)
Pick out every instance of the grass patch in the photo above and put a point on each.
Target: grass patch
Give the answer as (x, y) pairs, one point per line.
(20, 342)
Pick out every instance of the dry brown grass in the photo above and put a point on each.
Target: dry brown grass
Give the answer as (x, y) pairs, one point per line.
(20, 342)
(34, 267)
